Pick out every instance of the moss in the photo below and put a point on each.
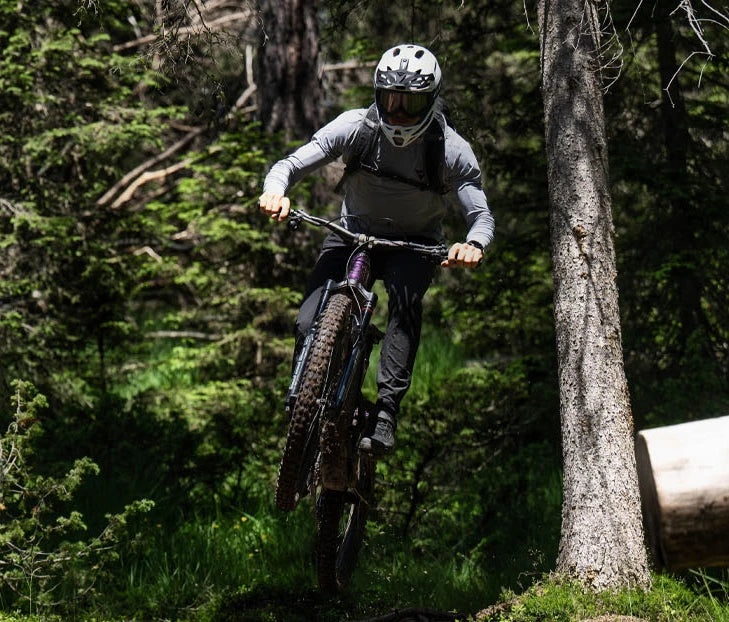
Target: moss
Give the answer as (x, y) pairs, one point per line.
(556, 599)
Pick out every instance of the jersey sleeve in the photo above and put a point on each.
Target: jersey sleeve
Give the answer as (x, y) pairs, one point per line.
(464, 177)
(327, 144)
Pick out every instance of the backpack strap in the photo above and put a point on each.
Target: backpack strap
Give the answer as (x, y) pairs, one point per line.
(363, 143)
(435, 169)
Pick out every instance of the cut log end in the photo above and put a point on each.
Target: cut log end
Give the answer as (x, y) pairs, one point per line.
(683, 472)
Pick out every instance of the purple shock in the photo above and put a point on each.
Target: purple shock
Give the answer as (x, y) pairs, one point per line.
(359, 269)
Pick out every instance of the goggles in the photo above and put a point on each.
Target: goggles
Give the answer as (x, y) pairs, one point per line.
(408, 104)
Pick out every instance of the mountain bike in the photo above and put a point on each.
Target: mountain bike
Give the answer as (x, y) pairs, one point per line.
(328, 414)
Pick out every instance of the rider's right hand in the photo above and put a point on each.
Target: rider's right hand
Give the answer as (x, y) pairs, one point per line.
(275, 205)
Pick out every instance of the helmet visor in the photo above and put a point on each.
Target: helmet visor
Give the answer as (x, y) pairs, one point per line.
(402, 107)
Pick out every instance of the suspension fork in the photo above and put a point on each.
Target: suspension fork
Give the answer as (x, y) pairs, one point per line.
(359, 280)
(362, 345)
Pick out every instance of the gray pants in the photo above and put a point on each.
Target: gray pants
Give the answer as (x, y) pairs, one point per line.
(406, 276)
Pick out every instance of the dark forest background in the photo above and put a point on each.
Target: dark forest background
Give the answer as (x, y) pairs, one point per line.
(144, 296)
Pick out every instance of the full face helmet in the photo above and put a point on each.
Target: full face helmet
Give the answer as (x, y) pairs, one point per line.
(407, 82)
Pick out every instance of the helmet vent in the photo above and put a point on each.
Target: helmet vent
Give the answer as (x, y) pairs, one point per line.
(396, 52)
(419, 53)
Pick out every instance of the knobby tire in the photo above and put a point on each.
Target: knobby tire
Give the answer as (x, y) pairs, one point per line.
(320, 376)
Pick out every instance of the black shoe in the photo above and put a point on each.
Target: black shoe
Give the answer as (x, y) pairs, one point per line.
(382, 440)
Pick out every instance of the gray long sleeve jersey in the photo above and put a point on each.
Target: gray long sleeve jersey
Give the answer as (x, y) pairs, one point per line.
(379, 205)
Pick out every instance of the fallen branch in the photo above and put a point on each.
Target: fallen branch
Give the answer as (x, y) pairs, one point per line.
(148, 250)
(142, 201)
(141, 172)
(346, 65)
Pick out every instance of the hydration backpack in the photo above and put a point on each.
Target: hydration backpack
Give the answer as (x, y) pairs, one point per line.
(434, 137)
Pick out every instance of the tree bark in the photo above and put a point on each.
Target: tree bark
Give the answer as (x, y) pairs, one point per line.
(288, 83)
(602, 534)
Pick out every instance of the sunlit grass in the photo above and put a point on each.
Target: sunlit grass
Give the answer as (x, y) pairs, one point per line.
(669, 600)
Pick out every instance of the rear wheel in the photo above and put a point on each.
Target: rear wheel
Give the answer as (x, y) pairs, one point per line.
(341, 521)
(320, 376)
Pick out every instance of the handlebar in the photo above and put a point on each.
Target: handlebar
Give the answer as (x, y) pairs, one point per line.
(296, 217)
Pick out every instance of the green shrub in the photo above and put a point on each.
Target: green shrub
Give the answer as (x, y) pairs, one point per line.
(45, 562)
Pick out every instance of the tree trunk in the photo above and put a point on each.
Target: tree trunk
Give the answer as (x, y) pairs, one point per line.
(288, 80)
(602, 534)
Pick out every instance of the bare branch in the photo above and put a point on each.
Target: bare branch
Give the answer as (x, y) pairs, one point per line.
(216, 24)
(686, 60)
(148, 250)
(148, 164)
(147, 177)
(251, 88)
(694, 23)
(347, 65)
(597, 20)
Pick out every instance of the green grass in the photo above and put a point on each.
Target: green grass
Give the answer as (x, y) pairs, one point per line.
(263, 570)
(259, 566)
(201, 559)
(669, 600)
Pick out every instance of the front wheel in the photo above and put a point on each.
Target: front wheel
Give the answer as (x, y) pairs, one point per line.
(341, 521)
(320, 378)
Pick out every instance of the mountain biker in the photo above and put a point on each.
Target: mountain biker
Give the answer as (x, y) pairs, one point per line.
(388, 194)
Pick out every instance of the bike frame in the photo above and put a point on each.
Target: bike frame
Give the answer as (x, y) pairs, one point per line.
(357, 285)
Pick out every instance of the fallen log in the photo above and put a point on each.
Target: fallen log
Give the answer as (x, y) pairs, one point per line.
(683, 473)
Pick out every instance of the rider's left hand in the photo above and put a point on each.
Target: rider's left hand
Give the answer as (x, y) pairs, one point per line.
(463, 256)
